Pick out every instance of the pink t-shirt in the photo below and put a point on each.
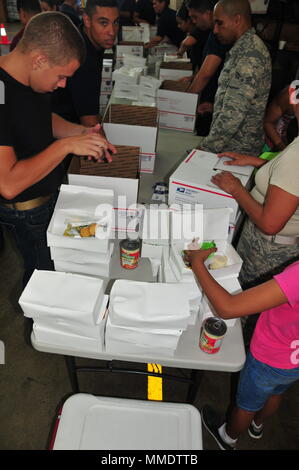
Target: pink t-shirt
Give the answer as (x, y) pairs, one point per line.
(276, 336)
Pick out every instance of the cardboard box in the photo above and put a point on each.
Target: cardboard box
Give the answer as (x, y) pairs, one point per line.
(106, 85)
(136, 33)
(131, 48)
(259, 6)
(191, 182)
(134, 125)
(175, 70)
(177, 108)
(100, 270)
(81, 257)
(107, 69)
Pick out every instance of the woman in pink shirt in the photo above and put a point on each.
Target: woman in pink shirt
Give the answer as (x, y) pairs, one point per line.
(272, 363)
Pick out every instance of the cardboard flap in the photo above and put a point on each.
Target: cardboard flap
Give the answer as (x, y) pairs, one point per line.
(132, 115)
(174, 85)
(216, 223)
(176, 65)
(125, 164)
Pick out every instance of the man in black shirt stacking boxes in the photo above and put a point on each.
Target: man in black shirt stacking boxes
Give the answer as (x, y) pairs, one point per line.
(30, 164)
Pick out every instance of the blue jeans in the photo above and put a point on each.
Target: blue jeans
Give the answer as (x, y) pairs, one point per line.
(29, 228)
(258, 381)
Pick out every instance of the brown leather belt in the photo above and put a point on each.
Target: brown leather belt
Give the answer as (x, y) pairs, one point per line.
(27, 205)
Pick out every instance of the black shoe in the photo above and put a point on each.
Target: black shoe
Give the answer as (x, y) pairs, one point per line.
(254, 432)
(212, 421)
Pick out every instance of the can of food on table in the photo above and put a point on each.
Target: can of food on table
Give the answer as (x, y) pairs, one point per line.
(129, 253)
(213, 330)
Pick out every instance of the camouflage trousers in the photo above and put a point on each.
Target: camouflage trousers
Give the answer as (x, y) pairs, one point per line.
(262, 258)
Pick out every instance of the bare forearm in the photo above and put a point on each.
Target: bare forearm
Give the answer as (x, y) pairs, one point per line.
(273, 135)
(199, 82)
(253, 209)
(25, 173)
(62, 128)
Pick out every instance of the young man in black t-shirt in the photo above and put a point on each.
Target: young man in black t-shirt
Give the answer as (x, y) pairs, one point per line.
(30, 158)
(79, 101)
(144, 12)
(166, 25)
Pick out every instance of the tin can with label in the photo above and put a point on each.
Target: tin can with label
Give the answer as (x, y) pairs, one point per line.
(212, 333)
(129, 253)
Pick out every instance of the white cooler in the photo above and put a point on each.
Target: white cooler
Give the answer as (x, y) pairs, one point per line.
(102, 423)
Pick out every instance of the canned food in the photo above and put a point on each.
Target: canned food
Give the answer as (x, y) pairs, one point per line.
(212, 333)
(129, 253)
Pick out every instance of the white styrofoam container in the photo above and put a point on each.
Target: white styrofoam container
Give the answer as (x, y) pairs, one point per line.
(89, 269)
(149, 305)
(80, 201)
(216, 228)
(81, 257)
(65, 301)
(104, 423)
(146, 340)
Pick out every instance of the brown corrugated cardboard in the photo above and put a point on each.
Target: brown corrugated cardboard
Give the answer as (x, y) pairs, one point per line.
(125, 164)
(174, 85)
(176, 65)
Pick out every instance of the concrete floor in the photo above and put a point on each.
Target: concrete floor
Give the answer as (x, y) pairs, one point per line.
(34, 384)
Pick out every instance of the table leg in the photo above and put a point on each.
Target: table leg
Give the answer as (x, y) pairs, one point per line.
(71, 368)
(196, 378)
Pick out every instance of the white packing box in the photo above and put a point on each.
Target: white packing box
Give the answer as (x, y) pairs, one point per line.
(88, 422)
(144, 137)
(155, 226)
(65, 302)
(106, 85)
(207, 310)
(126, 91)
(177, 110)
(259, 6)
(107, 69)
(191, 182)
(136, 33)
(127, 49)
(149, 305)
(78, 343)
(131, 340)
(173, 74)
(151, 251)
(79, 203)
(216, 228)
(127, 76)
(89, 269)
(81, 257)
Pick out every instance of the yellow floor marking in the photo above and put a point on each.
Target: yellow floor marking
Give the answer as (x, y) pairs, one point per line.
(154, 384)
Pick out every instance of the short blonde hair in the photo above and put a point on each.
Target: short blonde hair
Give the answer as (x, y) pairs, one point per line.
(54, 34)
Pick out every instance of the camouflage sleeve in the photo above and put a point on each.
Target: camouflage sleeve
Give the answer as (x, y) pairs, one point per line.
(237, 100)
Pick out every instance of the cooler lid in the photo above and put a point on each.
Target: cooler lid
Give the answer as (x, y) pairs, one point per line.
(103, 423)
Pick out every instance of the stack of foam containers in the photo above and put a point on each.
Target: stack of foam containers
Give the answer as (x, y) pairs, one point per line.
(68, 310)
(146, 318)
(87, 255)
(215, 228)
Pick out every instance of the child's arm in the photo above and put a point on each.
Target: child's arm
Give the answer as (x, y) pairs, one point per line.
(257, 299)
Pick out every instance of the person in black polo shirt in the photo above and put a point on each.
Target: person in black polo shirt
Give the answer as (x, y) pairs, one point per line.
(192, 45)
(205, 81)
(166, 25)
(68, 8)
(79, 101)
(49, 52)
(144, 12)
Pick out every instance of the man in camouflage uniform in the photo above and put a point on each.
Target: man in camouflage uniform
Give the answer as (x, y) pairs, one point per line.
(243, 85)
